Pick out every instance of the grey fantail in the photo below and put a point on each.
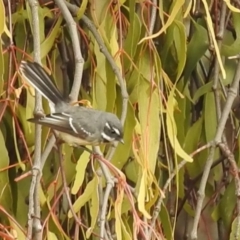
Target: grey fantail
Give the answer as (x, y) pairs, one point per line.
(75, 125)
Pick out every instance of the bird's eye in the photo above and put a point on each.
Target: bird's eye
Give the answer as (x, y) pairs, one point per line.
(113, 131)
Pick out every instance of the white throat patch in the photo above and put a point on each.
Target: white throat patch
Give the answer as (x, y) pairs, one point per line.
(106, 137)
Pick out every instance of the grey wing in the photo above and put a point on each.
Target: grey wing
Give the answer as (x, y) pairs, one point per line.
(87, 120)
(64, 122)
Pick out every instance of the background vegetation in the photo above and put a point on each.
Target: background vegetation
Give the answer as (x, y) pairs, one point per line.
(170, 70)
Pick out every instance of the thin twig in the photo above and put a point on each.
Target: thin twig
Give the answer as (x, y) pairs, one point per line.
(116, 70)
(219, 135)
(34, 214)
(153, 16)
(217, 141)
(157, 207)
(104, 50)
(47, 150)
(65, 60)
(79, 61)
(109, 187)
(65, 186)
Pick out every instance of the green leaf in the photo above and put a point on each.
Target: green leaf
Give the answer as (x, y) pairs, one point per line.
(169, 40)
(143, 187)
(145, 68)
(206, 88)
(80, 172)
(181, 113)
(101, 9)
(131, 171)
(55, 225)
(235, 229)
(230, 67)
(110, 75)
(132, 85)
(19, 233)
(94, 210)
(133, 36)
(100, 81)
(24, 113)
(19, 16)
(23, 187)
(210, 118)
(49, 41)
(53, 163)
(5, 190)
(125, 208)
(189, 209)
(82, 9)
(126, 230)
(111, 88)
(89, 191)
(2, 19)
(232, 48)
(120, 228)
(193, 136)
(172, 130)
(191, 143)
(227, 204)
(175, 8)
(1, 70)
(20, 38)
(123, 150)
(197, 47)
(149, 108)
(21, 164)
(51, 236)
(179, 36)
(68, 165)
(195, 168)
(166, 222)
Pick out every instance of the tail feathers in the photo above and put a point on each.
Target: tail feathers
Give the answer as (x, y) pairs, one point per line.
(41, 81)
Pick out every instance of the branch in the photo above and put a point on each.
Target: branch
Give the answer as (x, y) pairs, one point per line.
(116, 70)
(76, 49)
(218, 137)
(110, 184)
(153, 17)
(158, 206)
(34, 215)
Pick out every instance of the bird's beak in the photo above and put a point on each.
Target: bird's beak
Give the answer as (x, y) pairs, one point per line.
(121, 141)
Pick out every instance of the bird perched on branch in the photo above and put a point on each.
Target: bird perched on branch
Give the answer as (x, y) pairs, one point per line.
(75, 125)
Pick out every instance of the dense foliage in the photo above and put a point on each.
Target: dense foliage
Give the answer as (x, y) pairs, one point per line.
(170, 70)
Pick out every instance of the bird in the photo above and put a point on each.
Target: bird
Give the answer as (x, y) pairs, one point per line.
(75, 125)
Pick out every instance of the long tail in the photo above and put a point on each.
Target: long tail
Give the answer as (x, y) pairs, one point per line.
(41, 81)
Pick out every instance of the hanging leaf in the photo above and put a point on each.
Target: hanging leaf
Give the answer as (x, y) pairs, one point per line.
(172, 130)
(80, 171)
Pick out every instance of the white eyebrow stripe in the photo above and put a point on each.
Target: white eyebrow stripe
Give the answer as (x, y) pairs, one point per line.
(71, 125)
(116, 131)
(107, 125)
(106, 137)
